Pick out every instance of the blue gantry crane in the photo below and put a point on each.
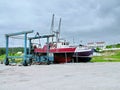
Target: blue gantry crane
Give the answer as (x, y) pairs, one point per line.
(40, 58)
(27, 57)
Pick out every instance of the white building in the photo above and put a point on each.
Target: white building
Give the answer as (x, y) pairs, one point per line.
(100, 45)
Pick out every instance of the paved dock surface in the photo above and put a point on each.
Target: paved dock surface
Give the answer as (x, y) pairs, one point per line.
(70, 76)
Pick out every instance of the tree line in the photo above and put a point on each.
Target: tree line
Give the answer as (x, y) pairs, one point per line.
(113, 46)
(11, 50)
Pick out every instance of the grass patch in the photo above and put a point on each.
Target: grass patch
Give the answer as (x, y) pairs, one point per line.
(105, 59)
(107, 56)
(2, 57)
(17, 60)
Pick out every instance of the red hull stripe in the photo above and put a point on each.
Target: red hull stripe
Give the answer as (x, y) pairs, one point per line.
(56, 50)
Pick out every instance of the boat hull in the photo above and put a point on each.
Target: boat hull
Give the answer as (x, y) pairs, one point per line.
(84, 56)
(63, 57)
(66, 55)
(82, 59)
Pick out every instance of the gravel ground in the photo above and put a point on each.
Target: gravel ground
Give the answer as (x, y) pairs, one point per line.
(70, 76)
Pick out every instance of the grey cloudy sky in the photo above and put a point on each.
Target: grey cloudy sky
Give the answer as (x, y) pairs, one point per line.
(86, 20)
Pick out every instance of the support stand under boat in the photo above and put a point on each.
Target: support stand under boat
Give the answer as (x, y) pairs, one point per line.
(6, 62)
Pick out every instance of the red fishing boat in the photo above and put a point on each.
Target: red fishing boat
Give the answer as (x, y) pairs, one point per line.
(62, 51)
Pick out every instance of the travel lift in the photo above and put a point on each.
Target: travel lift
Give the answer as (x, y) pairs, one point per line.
(40, 58)
(27, 57)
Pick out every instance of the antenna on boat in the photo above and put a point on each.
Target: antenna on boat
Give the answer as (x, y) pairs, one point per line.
(52, 26)
(58, 31)
(59, 27)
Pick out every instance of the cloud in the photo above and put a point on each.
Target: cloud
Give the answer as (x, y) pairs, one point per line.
(88, 20)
